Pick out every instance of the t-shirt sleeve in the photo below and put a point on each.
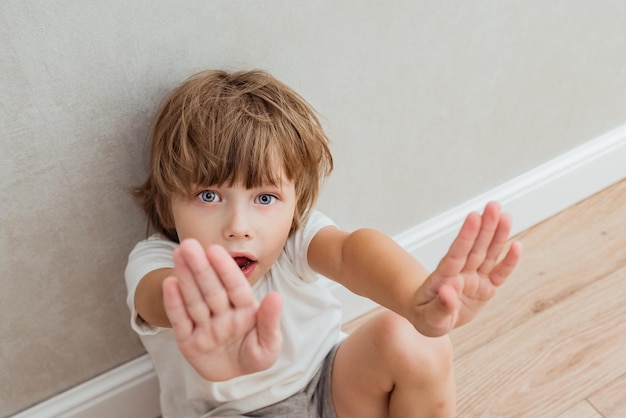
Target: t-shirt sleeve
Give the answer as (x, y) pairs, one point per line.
(148, 255)
(298, 244)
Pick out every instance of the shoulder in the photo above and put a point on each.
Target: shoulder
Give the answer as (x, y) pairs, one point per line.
(317, 220)
(297, 245)
(155, 246)
(299, 240)
(147, 255)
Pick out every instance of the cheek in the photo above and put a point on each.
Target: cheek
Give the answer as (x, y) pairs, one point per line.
(288, 221)
(277, 231)
(178, 223)
(186, 223)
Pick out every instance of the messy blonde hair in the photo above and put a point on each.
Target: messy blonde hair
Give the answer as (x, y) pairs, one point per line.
(219, 127)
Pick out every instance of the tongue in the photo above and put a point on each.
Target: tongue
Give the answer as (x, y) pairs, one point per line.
(242, 261)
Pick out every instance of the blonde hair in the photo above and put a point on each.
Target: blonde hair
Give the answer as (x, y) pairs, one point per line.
(219, 127)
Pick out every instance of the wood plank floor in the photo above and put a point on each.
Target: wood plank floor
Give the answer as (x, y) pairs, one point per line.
(553, 341)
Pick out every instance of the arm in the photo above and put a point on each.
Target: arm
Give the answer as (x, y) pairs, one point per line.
(372, 265)
(368, 263)
(149, 298)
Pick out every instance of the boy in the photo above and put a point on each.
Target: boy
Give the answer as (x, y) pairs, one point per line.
(226, 297)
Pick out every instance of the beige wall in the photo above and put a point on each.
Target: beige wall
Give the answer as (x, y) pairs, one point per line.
(429, 103)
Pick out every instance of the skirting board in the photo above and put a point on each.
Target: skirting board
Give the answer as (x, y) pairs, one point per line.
(131, 390)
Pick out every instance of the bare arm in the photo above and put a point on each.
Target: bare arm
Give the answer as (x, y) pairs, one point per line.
(368, 263)
(372, 265)
(149, 298)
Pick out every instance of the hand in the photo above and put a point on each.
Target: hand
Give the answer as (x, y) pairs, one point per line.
(220, 328)
(468, 275)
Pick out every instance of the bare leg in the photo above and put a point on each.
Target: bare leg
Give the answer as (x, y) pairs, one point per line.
(387, 369)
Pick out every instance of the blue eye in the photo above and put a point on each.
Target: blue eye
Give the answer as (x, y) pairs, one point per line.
(265, 199)
(208, 196)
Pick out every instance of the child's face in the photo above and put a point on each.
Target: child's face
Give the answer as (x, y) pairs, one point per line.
(251, 224)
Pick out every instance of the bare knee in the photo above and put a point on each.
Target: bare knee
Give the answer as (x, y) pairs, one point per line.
(392, 369)
(423, 358)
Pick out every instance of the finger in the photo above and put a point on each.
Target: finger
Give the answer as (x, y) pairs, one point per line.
(447, 300)
(439, 315)
(192, 296)
(206, 279)
(497, 244)
(268, 322)
(504, 269)
(455, 259)
(488, 227)
(175, 310)
(237, 288)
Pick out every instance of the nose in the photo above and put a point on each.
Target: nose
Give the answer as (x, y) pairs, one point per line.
(237, 224)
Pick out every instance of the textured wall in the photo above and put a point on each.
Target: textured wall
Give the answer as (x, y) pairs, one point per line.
(429, 103)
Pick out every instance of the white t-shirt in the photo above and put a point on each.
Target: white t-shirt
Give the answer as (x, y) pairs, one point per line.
(310, 323)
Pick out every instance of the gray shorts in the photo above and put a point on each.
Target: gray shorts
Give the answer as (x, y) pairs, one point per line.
(314, 401)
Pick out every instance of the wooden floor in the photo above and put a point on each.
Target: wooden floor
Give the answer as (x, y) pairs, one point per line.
(553, 341)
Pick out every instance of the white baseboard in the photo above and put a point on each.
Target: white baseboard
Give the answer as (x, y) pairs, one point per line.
(128, 391)
(131, 390)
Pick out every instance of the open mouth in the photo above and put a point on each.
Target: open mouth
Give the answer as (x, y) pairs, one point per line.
(244, 263)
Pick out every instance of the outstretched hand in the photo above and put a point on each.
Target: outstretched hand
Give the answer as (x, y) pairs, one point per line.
(220, 328)
(468, 275)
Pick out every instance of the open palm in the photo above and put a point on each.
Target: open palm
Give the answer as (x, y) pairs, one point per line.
(220, 328)
(468, 275)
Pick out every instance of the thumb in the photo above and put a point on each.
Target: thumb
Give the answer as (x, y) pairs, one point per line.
(447, 300)
(438, 316)
(268, 322)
